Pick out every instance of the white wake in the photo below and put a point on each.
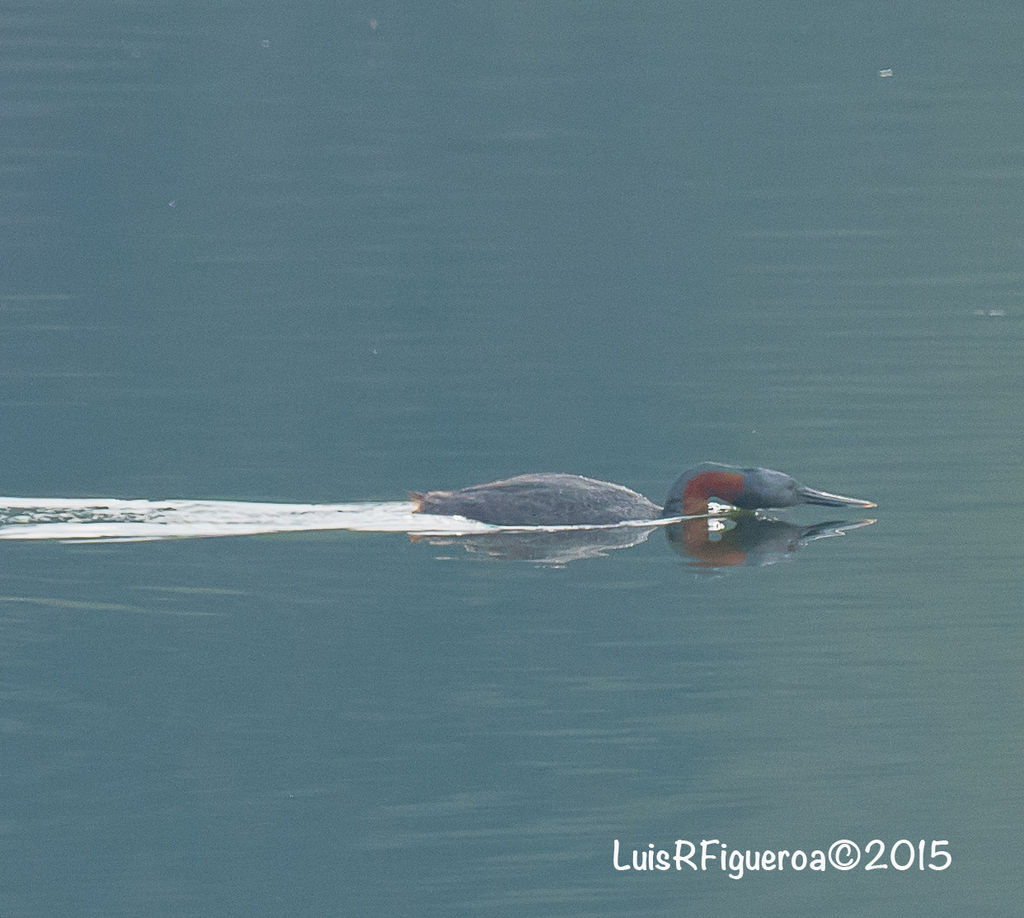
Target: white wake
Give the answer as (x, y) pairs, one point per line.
(106, 520)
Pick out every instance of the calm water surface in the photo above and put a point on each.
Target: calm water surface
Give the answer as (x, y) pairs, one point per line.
(338, 253)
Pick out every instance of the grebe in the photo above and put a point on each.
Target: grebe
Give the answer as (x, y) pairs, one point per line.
(555, 499)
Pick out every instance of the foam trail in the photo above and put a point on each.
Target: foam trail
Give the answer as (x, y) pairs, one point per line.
(114, 520)
(98, 519)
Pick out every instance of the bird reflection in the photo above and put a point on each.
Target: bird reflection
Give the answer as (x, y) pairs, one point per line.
(729, 540)
(544, 547)
(747, 538)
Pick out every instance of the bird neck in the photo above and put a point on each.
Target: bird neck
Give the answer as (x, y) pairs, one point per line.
(689, 495)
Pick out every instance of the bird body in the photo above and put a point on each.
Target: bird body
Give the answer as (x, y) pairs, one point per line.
(546, 499)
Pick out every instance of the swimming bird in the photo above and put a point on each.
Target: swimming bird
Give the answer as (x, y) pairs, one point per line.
(555, 499)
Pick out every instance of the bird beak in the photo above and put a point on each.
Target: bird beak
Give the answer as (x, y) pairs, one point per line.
(814, 496)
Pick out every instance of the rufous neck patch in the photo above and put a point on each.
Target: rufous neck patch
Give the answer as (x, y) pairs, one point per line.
(724, 485)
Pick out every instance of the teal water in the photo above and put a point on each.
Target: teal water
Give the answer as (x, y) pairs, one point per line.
(336, 253)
